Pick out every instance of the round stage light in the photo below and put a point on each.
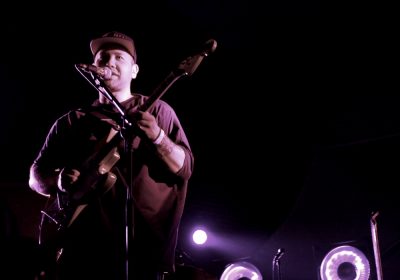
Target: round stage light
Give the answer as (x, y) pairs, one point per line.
(345, 263)
(241, 270)
(199, 237)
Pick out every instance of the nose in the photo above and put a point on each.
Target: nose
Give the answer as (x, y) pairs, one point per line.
(110, 62)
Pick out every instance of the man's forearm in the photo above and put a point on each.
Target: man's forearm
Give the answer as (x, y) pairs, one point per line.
(173, 155)
(44, 184)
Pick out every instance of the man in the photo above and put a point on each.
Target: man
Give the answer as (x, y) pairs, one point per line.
(108, 173)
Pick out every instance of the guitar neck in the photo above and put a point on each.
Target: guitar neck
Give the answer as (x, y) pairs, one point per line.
(161, 89)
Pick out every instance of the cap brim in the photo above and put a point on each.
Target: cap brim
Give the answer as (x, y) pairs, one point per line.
(96, 44)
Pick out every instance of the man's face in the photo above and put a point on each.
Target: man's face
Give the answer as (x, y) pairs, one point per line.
(123, 67)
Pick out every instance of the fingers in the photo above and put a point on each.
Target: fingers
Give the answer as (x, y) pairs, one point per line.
(147, 123)
(144, 119)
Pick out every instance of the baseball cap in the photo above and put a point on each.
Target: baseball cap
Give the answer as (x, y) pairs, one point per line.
(114, 37)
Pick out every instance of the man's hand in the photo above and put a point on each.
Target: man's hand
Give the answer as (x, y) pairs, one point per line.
(148, 124)
(66, 179)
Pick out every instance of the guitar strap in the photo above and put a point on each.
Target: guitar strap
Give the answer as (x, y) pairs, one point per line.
(115, 128)
(103, 117)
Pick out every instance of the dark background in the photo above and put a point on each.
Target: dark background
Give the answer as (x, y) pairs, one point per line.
(293, 121)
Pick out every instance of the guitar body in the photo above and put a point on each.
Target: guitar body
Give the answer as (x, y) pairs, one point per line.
(62, 209)
(55, 226)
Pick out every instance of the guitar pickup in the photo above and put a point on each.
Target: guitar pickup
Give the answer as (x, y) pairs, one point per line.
(109, 161)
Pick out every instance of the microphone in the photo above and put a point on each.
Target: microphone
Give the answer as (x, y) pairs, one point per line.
(103, 72)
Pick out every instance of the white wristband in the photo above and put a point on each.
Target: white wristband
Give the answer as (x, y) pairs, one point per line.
(159, 138)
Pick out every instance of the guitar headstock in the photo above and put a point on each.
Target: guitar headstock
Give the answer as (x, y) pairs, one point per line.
(185, 68)
(190, 64)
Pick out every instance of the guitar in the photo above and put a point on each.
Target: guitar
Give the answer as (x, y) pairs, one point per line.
(96, 178)
(62, 209)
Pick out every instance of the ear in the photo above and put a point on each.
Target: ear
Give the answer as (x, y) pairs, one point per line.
(135, 70)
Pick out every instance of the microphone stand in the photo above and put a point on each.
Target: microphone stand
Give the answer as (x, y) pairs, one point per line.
(375, 243)
(127, 136)
(276, 264)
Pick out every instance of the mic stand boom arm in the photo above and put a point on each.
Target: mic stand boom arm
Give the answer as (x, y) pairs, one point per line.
(99, 85)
